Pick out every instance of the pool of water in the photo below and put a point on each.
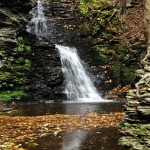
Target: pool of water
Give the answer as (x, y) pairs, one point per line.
(95, 139)
(79, 139)
(66, 108)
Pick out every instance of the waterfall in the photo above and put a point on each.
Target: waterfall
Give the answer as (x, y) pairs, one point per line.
(38, 23)
(78, 86)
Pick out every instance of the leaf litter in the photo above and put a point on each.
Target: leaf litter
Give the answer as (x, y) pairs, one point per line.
(19, 129)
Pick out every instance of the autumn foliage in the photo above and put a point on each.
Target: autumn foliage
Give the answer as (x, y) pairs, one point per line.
(20, 129)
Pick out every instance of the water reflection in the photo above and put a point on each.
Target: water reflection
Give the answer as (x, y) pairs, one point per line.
(94, 139)
(66, 108)
(73, 141)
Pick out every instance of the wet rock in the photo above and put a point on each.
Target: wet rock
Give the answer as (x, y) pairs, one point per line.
(6, 109)
(135, 128)
(147, 68)
(135, 136)
(46, 75)
(13, 17)
(145, 101)
(18, 5)
(140, 72)
(144, 111)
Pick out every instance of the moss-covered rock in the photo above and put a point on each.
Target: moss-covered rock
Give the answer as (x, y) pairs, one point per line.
(14, 52)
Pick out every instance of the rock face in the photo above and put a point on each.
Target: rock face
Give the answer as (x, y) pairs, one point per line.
(63, 23)
(135, 128)
(46, 75)
(63, 28)
(45, 78)
(13, 17)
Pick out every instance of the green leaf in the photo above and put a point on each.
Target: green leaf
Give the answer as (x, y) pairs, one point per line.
(20, 39)
(28, 48)
(2, 53)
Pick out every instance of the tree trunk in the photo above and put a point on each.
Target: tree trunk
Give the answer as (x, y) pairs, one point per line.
(147, 22)
(122, 11)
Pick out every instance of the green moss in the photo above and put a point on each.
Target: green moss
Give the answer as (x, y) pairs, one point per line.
(104, 53)
(100, 16)
(21, 45)
(2, 53)
(27, 48)
(102, 25)
(19, 80)
(85, 27)
(6, 96)
(122, 74)
(128, 76)
(15, 70)
(4, 75)
(14, 19)
(95, 30)
(116, 70)
(19, 60)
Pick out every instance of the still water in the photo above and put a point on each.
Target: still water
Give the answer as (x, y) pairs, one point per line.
(69, 108)
(79, 139)
(95, 139)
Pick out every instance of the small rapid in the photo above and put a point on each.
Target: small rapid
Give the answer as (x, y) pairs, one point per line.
(38, 23)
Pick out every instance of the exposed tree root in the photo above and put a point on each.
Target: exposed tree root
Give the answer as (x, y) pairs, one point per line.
(143, 86)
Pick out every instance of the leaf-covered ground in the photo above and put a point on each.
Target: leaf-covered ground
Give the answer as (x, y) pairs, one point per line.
(16, 130)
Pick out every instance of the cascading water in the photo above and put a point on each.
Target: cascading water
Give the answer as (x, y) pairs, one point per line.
(38, 23)
(78, 85)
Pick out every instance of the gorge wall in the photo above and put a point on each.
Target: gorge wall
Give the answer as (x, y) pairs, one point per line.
(135, 128)
(14, 52)
(31, 66)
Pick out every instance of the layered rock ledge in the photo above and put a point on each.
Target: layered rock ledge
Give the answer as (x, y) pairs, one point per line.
(135, 128)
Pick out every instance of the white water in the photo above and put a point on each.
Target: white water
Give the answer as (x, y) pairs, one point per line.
(38, 23)
(78, 85)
